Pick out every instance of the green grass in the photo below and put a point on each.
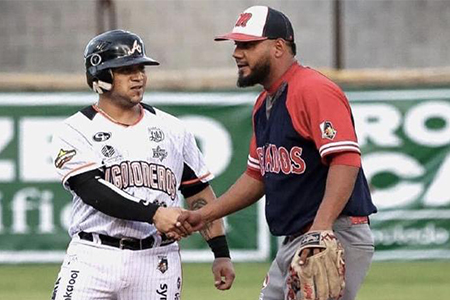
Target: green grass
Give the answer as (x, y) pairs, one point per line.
(386, 281)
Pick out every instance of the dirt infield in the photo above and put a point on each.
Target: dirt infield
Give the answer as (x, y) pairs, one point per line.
(225, 79)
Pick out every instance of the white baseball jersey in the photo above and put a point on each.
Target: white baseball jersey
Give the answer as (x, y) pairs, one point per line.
(145, 160)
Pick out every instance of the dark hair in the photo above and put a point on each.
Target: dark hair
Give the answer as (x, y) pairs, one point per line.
(293, 47)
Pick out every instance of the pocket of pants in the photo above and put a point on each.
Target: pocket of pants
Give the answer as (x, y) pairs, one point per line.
(357, 236)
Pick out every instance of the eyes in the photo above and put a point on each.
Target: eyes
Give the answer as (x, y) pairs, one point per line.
(246, 45)
(128, 70)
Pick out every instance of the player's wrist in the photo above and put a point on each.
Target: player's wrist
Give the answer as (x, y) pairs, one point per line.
(219, 246)
(154, 213)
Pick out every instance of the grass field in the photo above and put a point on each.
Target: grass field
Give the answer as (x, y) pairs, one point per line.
(386, 281)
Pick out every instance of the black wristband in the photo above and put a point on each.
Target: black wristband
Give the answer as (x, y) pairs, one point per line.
(219, 246)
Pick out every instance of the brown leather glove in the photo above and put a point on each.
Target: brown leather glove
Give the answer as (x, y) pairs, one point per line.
(322, 276)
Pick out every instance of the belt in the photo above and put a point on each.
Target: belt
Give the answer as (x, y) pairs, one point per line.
(124, 243)
(359, 220)
(302, 231)
(354, 221)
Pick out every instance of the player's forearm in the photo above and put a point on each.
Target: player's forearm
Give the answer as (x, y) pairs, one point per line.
(213, 232)
(110, 200)
(206, 197)
(339, 186)
(242, 194)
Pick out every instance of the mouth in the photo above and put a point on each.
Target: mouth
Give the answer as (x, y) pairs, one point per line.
(241, 65)
(137, 87)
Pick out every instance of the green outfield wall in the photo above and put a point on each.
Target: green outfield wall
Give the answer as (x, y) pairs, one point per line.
(404, 136)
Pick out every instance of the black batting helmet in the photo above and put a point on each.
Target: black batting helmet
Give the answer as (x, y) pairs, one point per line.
(112, 49)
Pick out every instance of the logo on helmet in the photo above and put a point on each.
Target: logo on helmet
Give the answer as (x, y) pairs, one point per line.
(137, 47)
(96, 59)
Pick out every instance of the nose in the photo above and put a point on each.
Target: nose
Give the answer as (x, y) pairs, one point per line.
(138, 75)
(237, 53)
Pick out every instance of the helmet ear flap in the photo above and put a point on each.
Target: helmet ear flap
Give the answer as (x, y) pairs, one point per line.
(101, 81)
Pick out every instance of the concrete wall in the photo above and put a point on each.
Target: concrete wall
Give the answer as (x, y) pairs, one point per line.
(49, 36)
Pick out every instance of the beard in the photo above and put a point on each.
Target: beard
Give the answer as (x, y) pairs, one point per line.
(257, 76)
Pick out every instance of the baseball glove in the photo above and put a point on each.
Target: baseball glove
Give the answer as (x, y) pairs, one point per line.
(321, 277)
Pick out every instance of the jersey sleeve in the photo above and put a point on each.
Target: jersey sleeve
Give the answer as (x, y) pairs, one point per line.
(72, 154)
(195, 170)
(322, 113)
(253, 166)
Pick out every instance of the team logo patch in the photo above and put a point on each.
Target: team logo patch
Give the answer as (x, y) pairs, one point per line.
(328, 132)
(155, 134)
(63, 157)
(163, 264)
(108, 151)
(101, 136)
(159, 153)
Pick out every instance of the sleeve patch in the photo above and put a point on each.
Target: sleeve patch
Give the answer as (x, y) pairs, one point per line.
(327, 130)
(63, 157)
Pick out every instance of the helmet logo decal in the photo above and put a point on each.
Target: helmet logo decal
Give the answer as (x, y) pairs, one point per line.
(96, 59)
(137, 47)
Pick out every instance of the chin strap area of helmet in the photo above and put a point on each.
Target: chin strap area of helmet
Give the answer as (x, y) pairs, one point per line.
(100, 86)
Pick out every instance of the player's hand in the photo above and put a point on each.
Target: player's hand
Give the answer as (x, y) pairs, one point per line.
(307, 253)
(190, 221)
(166, 219)
(223, 272)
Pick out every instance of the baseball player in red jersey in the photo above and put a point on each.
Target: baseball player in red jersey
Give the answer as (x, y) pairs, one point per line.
(304, 157)
(125, 162)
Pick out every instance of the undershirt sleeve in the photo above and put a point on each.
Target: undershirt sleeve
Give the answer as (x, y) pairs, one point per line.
(107, 198)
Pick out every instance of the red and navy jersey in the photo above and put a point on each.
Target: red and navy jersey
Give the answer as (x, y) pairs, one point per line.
(298, 124)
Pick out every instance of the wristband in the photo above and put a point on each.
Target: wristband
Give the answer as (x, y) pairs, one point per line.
(219, 246)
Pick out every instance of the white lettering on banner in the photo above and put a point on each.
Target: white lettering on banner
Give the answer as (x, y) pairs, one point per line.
(1, 213)
(438, 192)
(377, 123)
(402, 165)
(215, 142)
(415, 123)
(380, 124)
(399, 235)
(65, 216)
(7, 166)
(29, 199)
(34, 149)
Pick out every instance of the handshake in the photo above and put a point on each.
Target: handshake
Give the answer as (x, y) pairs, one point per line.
(177, 223)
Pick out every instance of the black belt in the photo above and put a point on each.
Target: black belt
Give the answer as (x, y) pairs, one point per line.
(124, 243)
(302, 231)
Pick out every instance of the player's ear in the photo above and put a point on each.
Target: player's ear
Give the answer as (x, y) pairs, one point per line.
(280, 47)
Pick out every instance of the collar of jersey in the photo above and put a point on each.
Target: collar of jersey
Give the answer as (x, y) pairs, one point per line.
(285, 77)
(100, 111)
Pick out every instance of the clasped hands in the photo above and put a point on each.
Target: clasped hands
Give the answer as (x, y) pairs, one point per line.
(176, 222)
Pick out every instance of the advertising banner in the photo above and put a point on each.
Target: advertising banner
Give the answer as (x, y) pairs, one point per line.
(404, 136)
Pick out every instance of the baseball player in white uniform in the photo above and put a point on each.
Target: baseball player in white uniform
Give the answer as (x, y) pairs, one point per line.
(125, 164)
